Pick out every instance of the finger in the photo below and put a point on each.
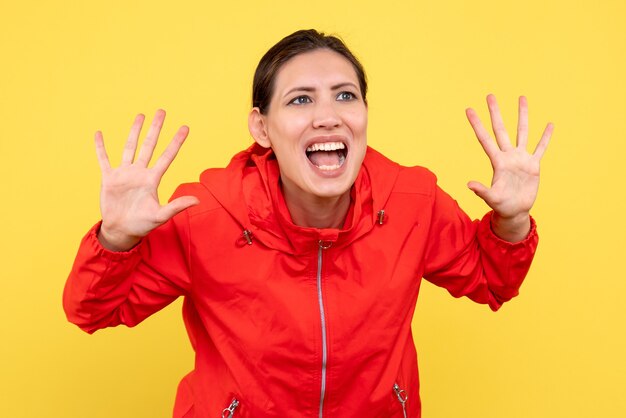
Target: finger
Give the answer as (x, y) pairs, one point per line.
(171, 151)
(131, 143)
(101, 153)
(522, 123)
(502, 137)
(481, 133)
(479, 189)
(147, 148)
(174, 207)
(540, 149)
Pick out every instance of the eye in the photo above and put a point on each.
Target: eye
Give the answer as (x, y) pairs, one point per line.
(300, 100)
(346, 96)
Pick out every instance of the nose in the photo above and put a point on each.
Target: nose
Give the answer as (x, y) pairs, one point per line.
(326, 115)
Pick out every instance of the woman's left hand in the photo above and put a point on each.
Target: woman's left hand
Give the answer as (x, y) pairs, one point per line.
(515, 179)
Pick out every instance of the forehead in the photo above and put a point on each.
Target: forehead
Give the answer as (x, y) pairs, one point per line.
(315, 69)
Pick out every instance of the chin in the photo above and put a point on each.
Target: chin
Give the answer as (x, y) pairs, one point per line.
(331, 188)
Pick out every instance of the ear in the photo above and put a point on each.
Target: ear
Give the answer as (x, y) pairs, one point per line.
(257, 126)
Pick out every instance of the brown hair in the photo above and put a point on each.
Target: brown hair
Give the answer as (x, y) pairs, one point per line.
(297, 43)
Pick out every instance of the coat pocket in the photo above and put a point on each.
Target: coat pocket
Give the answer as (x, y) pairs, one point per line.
(401, 398)
(189, 413)
(229, 411)
(183, 406)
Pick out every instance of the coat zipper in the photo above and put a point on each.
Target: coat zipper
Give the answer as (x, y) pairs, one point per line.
(230, 411)
(320, 301)
(402, 397)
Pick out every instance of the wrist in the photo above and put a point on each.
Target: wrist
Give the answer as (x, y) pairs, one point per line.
(117, 242)
(511, 228)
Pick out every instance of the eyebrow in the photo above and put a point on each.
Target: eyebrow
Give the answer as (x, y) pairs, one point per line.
(311, 89)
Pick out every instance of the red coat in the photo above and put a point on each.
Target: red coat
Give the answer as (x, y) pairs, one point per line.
(299, 322)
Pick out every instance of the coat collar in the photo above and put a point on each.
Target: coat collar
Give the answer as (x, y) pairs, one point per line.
(249, 189)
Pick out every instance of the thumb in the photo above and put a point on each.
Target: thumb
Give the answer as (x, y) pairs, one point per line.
(479, 189)
(176, 206)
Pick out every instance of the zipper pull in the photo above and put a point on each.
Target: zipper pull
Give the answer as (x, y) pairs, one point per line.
(402, 397)
(324, 245)
(230, 411)
(381, 216)
(248, 236)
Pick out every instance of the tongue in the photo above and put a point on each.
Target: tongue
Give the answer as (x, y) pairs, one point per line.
(321, 158)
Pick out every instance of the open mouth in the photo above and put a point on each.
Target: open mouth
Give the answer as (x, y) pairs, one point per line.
(327, 156)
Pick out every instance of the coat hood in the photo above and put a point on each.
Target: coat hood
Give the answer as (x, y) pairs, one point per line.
(249, 190)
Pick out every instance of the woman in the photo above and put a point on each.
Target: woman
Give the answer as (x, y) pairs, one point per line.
(301, 261)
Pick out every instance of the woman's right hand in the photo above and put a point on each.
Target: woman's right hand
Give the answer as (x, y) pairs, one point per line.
(129, 202)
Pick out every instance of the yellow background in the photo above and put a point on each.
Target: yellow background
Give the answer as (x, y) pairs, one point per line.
(72, 67)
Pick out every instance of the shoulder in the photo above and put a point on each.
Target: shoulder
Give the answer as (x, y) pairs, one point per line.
(208, 202)
(416, 179)
(408, 179)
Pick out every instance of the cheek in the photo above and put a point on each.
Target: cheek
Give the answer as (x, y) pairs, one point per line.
(358, 122)
(287, 130)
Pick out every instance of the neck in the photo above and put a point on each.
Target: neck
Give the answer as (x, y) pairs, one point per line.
(317, 212)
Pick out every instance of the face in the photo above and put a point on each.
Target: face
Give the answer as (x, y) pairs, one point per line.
(316, 124)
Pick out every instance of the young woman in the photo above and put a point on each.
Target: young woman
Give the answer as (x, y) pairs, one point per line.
(301, 261)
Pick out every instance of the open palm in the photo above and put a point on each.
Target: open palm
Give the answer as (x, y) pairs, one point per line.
(129, 200)
(515, 181)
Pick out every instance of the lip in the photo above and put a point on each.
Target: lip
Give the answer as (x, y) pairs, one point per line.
(321, 139)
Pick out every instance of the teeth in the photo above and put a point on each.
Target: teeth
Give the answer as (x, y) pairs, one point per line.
(342, 160)
(326, 146)
(329, 167)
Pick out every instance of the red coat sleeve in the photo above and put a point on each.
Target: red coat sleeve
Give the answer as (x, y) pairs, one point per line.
(106, 288)
(468, 259)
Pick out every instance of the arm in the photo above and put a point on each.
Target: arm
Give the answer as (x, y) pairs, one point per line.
(107, 288)
(466, 257)
(487, 260)
(133, 262)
